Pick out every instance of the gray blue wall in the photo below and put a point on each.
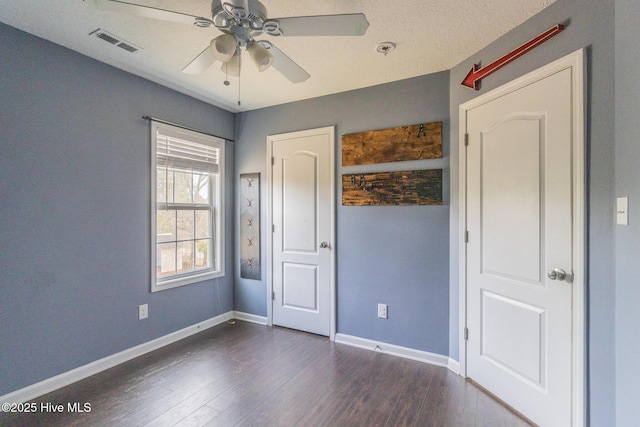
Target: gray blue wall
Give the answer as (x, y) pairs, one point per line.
(627, 237)
(75, 210)
(393, 255)
(74, 192)
(590, 25)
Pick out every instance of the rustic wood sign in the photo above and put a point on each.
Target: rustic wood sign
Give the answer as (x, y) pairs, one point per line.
(416, 142)
(420, 187)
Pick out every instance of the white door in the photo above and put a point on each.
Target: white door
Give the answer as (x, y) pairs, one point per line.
(302, 240)
(520, 223)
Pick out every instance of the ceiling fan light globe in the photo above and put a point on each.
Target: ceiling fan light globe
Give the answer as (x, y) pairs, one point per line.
(260, 56)
(224, 46)
(232, 67)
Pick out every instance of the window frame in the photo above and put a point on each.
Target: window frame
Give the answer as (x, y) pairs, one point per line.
(216, 199)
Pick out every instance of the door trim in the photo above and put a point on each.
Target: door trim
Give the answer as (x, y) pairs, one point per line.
(575, 62)
(330, 132)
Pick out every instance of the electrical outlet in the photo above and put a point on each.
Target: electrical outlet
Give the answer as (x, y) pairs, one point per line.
(143, 311)
(382, 311)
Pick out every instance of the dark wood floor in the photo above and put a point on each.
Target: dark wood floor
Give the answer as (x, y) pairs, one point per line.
(250, 375)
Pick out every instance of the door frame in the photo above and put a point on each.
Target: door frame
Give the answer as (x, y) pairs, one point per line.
(330, 131)
(575, 62)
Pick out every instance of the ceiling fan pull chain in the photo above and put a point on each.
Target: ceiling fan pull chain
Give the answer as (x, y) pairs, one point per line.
(226, 77)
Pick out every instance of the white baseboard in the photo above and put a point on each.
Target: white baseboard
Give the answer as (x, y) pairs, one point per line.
(396, 350)
(252, 318)
(43, 387)
(454, 366)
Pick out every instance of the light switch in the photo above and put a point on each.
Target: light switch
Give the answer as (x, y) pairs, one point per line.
(622, 211)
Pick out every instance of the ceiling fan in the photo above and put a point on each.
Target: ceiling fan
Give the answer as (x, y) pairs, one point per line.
(240, 22)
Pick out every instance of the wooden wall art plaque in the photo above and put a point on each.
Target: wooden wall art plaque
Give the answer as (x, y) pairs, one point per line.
(420, 187)
(415, 142)
(250, 226)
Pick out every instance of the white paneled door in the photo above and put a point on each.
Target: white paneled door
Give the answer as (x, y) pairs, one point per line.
(303, 232)
(520, 251)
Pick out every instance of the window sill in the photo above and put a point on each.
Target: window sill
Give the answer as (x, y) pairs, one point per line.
(183, 281)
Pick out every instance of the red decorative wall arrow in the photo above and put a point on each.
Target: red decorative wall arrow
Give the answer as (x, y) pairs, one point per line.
(475, 75)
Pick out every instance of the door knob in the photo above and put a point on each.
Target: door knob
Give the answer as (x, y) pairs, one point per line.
(324, 245)
(557, 274)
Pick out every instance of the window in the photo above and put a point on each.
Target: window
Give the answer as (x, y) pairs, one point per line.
(187, 214)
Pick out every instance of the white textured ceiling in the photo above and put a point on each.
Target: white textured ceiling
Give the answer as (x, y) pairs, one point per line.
(431, 36)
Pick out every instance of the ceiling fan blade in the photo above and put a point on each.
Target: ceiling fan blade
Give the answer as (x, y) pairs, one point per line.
(146, 11)
(284, 64)
(201, 62)
(353, 24)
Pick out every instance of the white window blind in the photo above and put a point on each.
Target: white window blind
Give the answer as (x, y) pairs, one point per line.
(172, 150)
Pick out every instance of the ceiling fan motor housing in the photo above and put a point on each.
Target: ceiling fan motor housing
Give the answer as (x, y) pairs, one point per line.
(251, 13)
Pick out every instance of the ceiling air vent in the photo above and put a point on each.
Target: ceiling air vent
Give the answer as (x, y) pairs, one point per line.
(114, 40)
